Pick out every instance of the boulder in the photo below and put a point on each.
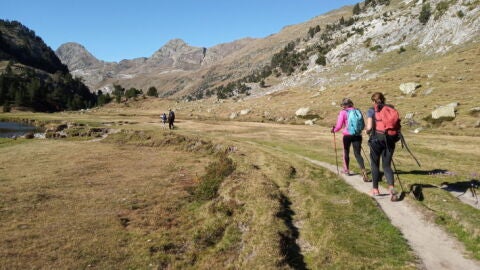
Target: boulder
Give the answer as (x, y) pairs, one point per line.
(310, 122)
(444, 111)
(244, 112)
(409, 88)
(302, 111)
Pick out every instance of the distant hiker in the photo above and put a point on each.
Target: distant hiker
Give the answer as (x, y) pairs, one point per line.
(171, 118)
(351, 119)
(383, 126)
(164, 120)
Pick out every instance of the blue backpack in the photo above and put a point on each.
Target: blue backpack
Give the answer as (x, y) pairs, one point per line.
(355, 122)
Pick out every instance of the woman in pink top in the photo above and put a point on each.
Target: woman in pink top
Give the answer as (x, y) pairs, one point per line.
(350, 139)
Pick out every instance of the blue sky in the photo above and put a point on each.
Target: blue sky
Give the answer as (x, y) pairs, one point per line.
(116, 30)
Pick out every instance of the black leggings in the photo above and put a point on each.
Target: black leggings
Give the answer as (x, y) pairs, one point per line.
(384, 149)
(356, 142)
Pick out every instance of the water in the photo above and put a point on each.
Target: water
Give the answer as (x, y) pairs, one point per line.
(11, 129)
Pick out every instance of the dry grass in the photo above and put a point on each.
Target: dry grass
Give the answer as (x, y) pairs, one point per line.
(104, 206)
(126, 202)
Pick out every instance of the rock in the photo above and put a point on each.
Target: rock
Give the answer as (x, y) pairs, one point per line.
(233, 115)
(244, 112)
(443, 111)
(477, 124)
(310, 122)
(302, 111)
(428, 91)
(453, 104)
(29, 135)
(409, 88)
(417, 130)
(475, 110)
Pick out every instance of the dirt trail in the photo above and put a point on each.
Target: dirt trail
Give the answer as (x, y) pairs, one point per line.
(435, 248)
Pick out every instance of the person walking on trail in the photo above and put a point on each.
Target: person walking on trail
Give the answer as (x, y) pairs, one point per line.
(352, 122)
(382, 141)
(164, 121)
(171, 119)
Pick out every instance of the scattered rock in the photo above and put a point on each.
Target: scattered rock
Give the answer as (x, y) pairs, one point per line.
(310, 122)
(475, 111)
(444, 111)
(428, 91)
(244, 112)
(409, 88)
(302, 111)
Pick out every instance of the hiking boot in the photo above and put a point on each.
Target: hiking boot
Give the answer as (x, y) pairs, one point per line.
(375, 192)
(346, 172)
(394, 195)
(365, 176)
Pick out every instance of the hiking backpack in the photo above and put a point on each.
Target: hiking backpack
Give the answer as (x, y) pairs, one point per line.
(355, 123)
(387, 120)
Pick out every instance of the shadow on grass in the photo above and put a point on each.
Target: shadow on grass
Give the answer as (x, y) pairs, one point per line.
(426, 172)
(463, 186)
(288, 245)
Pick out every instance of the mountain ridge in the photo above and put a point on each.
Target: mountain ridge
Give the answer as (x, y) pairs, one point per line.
(347, 39)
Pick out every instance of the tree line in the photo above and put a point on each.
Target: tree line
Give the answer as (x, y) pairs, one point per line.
(22, 86)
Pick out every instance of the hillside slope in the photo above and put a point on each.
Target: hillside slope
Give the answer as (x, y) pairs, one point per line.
(290, 58)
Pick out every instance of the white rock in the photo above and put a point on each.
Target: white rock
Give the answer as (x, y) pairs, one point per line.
(309, 122)
(302, 111)
(409, 88)
(443, 111)
(244, 112)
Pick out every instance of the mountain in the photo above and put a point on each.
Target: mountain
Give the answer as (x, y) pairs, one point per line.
(332, 48)
(20, 44)
(174, 56)
(32, 77)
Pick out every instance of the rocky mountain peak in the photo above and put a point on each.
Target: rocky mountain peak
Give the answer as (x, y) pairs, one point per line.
(178, 55)
(175, 47)
(76, 56)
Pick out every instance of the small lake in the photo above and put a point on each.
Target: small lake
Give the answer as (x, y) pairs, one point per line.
(10, 129)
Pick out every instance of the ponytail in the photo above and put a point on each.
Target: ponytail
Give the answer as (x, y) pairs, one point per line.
(378, 98)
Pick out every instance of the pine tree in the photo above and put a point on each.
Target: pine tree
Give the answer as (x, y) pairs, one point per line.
(356, 9)
(425, 13)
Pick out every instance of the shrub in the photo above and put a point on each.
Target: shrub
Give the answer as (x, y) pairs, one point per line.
(213, 178)
(425, 13)
(152, 92)
(375, 48)
(6, 107)
(321, 60)
(401, 50)
(460, 14)
(441, 8)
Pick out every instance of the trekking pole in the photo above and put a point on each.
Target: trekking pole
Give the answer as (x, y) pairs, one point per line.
(335, 147)
(366, 157)
(404, 144)
(398, 177)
